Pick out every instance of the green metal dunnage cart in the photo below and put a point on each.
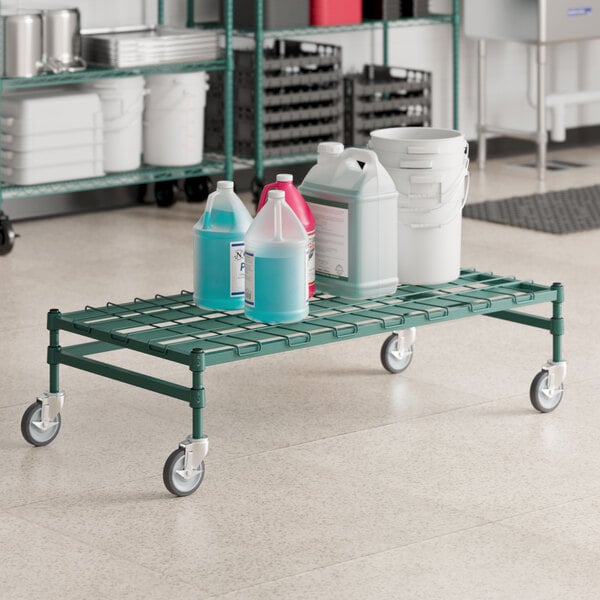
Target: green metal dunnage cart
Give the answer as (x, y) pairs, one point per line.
(175, 329)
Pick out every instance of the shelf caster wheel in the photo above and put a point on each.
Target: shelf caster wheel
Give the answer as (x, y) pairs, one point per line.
(7, 235)
(164, 193)
(256, 187)
(179, 481)
(36, 429)
(544, 394)
(397, 351)
(197, 189)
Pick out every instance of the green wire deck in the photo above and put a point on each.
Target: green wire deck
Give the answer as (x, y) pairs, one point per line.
(172, 327)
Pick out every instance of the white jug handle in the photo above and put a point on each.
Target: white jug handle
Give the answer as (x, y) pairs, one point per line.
(361, 154)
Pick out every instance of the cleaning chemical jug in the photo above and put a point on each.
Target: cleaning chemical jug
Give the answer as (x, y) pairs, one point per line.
(219, 270)
(355, 204)
(293, 197)
(276, 273)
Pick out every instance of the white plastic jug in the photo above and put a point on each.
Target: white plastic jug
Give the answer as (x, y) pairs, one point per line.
(355, 205)
(219, 270)
(276, 264)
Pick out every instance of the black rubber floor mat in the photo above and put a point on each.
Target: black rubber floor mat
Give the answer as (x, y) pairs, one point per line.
(565, 211)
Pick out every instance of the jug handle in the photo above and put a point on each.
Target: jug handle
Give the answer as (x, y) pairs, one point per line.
(368, 157)
(207, 211)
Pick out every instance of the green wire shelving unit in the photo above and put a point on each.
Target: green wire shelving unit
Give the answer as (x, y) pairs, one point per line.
(212, 164)
(260, 34)
(173, 328)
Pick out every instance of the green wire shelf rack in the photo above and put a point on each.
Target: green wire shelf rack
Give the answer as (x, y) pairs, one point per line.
(173, 328)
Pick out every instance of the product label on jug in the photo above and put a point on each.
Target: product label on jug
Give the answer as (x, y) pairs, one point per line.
(331, 242)
(249, 283)
(310, 258)
(237, 269)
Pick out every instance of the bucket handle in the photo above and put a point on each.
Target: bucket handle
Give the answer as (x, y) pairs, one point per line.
(448, 192)
(436, 225)
(130, 116)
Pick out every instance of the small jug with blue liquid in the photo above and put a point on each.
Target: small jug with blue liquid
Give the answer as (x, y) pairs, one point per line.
(219, 266)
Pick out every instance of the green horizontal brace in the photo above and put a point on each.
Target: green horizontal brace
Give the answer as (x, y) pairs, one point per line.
(146, 382)
(91, 348)
(523, 319)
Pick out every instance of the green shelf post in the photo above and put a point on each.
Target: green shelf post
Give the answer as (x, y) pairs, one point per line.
(259, 38)
(191, 20)
(386, 41)
(557, 325)
(53, 350)
(197, 393)
(229, 67)
(455, 62)
(161, 12)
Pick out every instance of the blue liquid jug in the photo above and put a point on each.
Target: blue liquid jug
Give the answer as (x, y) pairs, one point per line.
(276, 264)
(219, 266)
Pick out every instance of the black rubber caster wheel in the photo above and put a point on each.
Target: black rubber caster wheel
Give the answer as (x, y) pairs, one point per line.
(393, 360)
(7, 235)
(174, 481)
(197, 189)
(31, 426)
(164, 193)
(542, 397)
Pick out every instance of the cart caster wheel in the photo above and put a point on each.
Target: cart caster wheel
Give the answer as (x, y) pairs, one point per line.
(542, 397)
(31, 426)
(7, 235)
(392, 359)
(173, 477)
(197, 189)
(164, 193)
(256, 187)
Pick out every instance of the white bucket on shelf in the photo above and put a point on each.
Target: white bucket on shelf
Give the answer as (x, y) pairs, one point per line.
(174, 119)
(122, 108)
(430, 170)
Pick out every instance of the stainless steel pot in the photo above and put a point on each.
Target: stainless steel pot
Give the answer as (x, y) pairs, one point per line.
(23, 53)
(62, 40)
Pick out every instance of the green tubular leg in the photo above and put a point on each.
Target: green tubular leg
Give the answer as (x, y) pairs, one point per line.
(198, 400)
(557, 325)
(53, 350)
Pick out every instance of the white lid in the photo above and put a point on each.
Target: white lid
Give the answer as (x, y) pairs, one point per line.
(285, 177)
(224, 185)
(330, 148)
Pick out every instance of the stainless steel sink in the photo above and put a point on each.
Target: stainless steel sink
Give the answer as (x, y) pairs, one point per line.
(534, 21)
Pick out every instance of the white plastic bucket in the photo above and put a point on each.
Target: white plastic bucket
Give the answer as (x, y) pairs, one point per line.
(122, 107)
(430, 170)
(174, 119)
(417, 141)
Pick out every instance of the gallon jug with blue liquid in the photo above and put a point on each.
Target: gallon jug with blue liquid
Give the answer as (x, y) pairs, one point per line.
(219, 269)
(276, 265)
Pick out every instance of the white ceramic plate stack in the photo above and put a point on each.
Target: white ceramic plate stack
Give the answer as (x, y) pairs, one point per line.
(154, 46)
(50, 136)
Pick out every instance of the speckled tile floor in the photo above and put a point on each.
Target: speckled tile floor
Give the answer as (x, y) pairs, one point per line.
(327, 477)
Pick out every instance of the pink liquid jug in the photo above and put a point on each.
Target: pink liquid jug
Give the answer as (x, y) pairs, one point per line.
(294, 199)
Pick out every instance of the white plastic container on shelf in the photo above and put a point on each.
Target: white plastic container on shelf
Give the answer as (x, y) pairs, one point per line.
(58, 156)
(37, 175)
(52, 141)
(174, 119)
(356, 214)
(122, 102)
(47, 111)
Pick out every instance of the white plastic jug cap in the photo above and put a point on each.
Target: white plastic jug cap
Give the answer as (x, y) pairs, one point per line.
(224, 185)
(276, 195)
(285, 178)
(331, 148)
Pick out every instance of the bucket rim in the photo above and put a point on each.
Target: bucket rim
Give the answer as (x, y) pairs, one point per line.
(416, 134)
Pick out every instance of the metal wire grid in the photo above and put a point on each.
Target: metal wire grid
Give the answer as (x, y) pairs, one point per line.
(172, 326)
